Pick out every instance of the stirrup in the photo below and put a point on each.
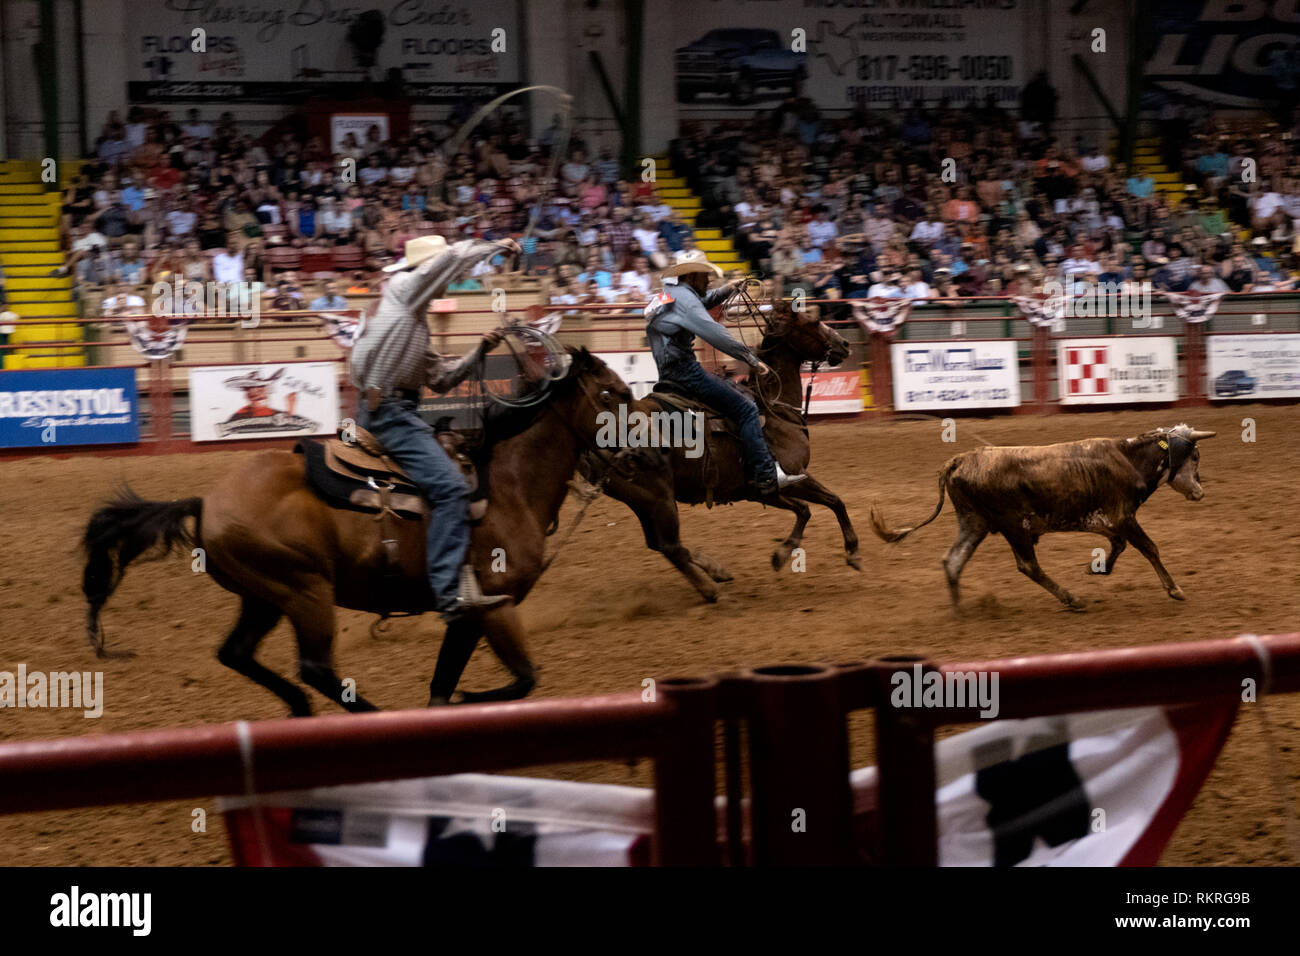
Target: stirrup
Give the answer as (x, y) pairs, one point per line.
(470, 593)
(784, 481)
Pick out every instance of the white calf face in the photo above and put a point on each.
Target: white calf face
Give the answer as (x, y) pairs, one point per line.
(1187, 481)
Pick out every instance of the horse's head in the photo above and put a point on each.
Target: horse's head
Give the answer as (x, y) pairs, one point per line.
(802, 336)
(596, 389)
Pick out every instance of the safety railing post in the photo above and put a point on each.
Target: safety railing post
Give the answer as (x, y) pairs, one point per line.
(160, 401)
(1040, 358)
(801, 805)
(686, 828)
(909, 831)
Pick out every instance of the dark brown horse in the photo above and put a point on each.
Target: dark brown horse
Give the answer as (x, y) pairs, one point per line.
(654, 484)
(269, 538)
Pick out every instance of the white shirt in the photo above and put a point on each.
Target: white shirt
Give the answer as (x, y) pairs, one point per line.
(927, 231)
(885, 290)
(228, 268)
(1074, 267)
(370, 175)
(197, 130)
(634, 280)
(1265, 205)
(180, 222)
(647, 239)
(917, 290)
(335, 222)
(89, 241)
(1094, 163)
(821, 232)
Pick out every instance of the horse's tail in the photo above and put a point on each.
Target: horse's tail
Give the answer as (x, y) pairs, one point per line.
(121, 531)
(886, 534)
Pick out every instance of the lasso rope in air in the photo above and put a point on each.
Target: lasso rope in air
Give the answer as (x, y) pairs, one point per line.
(558, 149)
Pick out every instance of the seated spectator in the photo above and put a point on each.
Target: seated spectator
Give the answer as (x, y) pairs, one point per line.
(1207, 281)
(329, 300)
(131, 269)
(228, 266)
(286, 296)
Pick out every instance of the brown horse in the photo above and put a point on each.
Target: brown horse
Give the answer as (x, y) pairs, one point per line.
(654, 484)
(269, 538)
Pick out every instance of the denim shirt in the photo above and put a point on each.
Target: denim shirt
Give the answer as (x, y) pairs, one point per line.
(671, 333)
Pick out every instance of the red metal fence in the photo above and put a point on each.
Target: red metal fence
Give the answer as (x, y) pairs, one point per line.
(794, 718)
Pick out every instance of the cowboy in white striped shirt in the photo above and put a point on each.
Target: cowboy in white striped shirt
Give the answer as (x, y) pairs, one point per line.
(390, 362)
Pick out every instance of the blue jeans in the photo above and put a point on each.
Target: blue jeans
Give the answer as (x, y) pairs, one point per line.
(409, 441)
(760, 467)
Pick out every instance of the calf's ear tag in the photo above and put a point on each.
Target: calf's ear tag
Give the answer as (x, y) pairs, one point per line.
(1164, 444)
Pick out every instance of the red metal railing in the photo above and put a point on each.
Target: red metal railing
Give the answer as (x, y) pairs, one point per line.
(795, 716)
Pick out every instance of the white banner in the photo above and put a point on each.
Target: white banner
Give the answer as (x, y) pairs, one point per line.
(638, 369)
(230, 402)
(291, 40)
(1255, 365)
(1104, 370)
(742, 54)
(358, 124)
(952, 375)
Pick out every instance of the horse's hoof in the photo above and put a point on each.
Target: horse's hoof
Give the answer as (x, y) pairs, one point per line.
(1177, 594)
(854, 561)
(779, 560)
(1075, 605)
(439, 702)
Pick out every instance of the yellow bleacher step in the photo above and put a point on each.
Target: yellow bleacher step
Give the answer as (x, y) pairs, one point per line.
(49, 259)
(63, 296)
(10, 245)
(20, 234)
(42, 310)
(55, 286)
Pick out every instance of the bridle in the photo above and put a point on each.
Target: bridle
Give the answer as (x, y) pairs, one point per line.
(770, 333)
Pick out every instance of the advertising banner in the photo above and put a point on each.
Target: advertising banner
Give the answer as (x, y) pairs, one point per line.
(1243, 53)
(1253, 365)
(272, 50)
(745, 53)
(229, 402)
(358, 124)
(955, 375)
(1106, 370)
(71, 406)
(835, 392)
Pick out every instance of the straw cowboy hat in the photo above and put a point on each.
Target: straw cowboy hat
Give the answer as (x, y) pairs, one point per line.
(417, 250)
(253, 379)
(689, 261)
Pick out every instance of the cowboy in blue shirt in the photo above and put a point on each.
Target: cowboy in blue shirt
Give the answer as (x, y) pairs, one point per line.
(671, 333)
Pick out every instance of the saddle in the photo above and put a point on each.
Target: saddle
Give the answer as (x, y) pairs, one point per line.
(672, 396)
(358, 475)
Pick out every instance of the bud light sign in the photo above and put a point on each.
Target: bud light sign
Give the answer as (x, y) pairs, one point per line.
(63, 407)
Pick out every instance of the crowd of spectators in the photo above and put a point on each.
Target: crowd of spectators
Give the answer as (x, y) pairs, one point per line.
(919, 203)
(164, 199)
(983, 202)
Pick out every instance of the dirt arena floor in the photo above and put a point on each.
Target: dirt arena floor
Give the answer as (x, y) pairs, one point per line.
(610, 613)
